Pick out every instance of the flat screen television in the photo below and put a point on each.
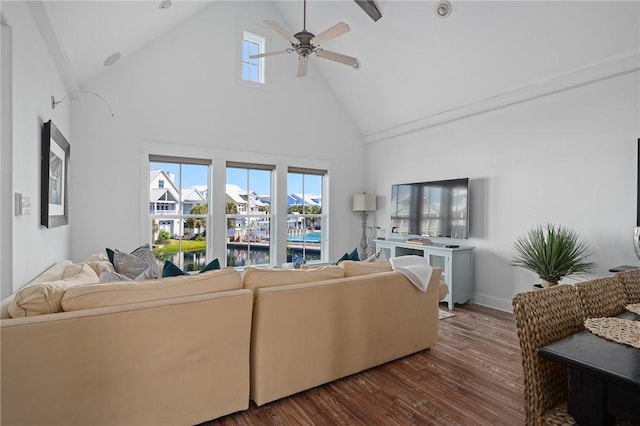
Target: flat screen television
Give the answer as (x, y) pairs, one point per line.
(434, 209)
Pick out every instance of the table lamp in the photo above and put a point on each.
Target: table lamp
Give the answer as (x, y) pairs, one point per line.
(364, 203)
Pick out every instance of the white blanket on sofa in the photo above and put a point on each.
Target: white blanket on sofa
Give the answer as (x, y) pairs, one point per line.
(415, 268)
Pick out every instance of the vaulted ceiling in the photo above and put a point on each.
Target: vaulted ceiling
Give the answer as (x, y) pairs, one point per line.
(416, 67)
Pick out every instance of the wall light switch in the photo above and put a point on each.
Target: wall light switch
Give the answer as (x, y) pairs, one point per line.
(22, 204)
(18, 204)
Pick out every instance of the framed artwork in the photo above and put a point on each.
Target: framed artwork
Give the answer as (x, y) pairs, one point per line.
(54, 197)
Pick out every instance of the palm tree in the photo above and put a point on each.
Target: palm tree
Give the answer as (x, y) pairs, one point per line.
(198, 222)
(231, 208)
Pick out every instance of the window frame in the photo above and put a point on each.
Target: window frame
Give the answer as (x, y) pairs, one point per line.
(261, 41)
(247, 214)
(179, 216)
(324, 223)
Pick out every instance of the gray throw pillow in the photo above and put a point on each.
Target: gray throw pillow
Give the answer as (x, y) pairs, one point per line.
(107, 276)
(145, 253)
(141, 264)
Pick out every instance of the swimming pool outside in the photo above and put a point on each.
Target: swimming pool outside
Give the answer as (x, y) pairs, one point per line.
(309, 237)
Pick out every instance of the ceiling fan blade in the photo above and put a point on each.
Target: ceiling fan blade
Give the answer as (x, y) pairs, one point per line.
(284, 33)
(329, 34)
(338, 57)
(276, 52)
(303, 65)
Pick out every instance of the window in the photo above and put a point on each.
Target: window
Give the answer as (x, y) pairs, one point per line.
(305, 235)
(248, 214)
(252, 69)
(178, 209)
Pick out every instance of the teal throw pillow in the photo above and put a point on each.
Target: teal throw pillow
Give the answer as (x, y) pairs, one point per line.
(344, 257)
(213, 265)
(354, 255)
(170, 269)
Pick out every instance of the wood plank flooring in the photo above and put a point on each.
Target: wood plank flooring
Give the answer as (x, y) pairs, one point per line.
(473, 376)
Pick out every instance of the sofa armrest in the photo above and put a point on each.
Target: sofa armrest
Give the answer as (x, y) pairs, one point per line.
(173, 361)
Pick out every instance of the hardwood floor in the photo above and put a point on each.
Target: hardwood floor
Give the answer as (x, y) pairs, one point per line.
(473, 376)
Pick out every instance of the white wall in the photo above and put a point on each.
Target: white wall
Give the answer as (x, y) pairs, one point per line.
(34, 79)
(568, 158)
(183, 90)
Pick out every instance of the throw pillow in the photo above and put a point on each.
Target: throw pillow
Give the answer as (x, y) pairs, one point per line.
(354, 255)
(140, 264)
(373, 257)
(109, 276)
(344, 257)
(170, 269)
(45, 297)
(213, 265)
(349, 256)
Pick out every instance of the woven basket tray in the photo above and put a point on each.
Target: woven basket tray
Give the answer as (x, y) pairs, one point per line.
(616, 329)
(635, 308)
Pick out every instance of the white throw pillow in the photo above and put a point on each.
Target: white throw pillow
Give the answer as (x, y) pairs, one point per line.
(45, 297)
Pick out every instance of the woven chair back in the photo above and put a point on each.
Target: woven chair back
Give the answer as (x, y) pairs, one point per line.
(631, 285)
(543, 317)
(602, 297)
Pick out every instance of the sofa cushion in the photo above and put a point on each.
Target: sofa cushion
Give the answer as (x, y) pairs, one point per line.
(254, 278)
(41, 298)
(121, 293)
(353, 269)
(100, 265)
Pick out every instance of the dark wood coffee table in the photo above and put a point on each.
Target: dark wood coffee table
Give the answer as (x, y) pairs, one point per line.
(604, 377)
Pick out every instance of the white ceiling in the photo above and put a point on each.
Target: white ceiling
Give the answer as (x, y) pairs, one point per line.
(414, 64)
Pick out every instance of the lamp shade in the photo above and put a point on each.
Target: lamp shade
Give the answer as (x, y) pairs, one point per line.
(364, 203)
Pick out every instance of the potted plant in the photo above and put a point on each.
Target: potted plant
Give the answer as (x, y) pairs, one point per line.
(553, 252)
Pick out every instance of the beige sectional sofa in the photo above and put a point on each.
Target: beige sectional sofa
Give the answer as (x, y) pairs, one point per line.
(187, 349)
(326, 327)
(173, 351)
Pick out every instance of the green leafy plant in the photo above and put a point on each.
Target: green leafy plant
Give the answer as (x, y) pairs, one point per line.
(553, 252)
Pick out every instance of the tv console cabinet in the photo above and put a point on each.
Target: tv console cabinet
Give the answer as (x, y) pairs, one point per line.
(456, 264)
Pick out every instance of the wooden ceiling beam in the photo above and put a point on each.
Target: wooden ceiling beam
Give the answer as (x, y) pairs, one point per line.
(370, 8)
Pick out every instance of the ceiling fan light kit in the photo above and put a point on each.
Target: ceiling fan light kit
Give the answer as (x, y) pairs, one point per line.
(305, 43)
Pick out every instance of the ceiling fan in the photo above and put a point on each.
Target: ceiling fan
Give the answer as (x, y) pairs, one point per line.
(305, 43)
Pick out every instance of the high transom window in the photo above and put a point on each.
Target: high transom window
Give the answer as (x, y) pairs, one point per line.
(252, 69)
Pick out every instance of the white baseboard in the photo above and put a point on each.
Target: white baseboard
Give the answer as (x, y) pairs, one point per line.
(493, 302)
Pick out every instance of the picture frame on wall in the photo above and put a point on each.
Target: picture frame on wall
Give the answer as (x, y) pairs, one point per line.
(54, 197)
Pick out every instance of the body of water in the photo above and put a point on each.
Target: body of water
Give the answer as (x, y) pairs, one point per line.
(238, 254)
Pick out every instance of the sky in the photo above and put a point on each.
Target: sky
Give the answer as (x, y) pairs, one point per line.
(258, 180)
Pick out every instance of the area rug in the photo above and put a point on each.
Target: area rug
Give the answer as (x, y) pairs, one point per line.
(445, 314)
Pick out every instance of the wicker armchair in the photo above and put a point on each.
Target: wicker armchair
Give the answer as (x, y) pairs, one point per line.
(631, 284)
(602, 297)
(543, 317)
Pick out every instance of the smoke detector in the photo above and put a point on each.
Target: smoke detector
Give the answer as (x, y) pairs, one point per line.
(443, 8)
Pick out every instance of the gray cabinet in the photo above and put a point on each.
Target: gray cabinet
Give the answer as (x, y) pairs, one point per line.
(456, 264)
